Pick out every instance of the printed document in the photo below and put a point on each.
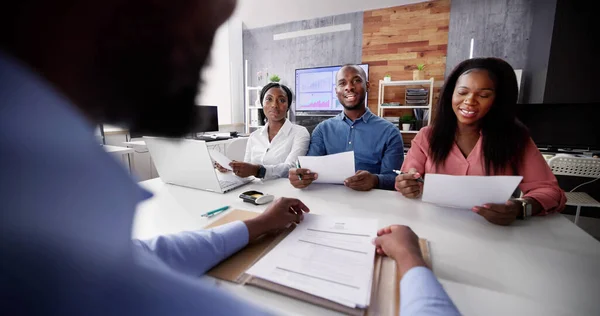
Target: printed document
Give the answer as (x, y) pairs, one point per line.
(220, 159)
(333, 169)
(468, 191)
(327, 256)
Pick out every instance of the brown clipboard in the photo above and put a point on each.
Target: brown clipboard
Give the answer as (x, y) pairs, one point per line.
(385, 298)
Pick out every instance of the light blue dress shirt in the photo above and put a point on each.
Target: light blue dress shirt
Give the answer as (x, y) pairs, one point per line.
(377, 144)
(422, 294)
(67, 213)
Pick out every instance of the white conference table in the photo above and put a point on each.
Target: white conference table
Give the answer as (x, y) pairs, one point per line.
(542, 266)
(117, 150)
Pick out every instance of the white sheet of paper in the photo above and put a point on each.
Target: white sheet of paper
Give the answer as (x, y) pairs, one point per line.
(327, 256)
(468, 191)
(220, 159)
(333, 169)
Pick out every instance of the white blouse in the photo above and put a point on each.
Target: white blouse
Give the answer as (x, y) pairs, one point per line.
(281, 154)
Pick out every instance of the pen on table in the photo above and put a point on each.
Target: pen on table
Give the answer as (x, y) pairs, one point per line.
(298, 166)
(420, 179)
(214, 212)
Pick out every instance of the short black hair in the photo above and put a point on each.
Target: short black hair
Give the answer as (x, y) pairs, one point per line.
(285, 89)
(358, 68)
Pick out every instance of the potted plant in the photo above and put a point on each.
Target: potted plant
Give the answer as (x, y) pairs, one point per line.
(419, 73)
(387, 78)
(407, 121)
(274, 78)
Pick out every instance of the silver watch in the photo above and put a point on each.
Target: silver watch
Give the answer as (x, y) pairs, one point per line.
(527, 208)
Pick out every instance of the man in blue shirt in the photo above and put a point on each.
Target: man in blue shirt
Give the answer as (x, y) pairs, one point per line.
(67, 206)
(377, 143)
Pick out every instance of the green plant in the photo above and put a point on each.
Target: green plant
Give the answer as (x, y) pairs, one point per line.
(388, 75)
(421, 66)
(274, 78)
(407, 119)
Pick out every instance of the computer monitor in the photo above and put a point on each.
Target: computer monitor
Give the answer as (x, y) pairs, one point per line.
(563, 126)
(315, 89)
(207, 119)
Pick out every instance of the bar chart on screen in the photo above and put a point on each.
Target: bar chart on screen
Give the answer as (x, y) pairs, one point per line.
(314, 101)
(316, 82)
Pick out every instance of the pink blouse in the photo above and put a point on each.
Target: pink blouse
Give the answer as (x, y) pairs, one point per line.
(538, 181)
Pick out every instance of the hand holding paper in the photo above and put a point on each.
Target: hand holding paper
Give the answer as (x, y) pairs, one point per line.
(468, 191)
(362, 181)
(499, 214)
(220, 159)
(332, 169)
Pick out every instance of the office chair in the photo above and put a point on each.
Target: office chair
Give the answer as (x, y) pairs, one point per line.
(577, 167)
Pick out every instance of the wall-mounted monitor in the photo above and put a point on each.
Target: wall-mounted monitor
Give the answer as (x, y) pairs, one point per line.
(315, 89)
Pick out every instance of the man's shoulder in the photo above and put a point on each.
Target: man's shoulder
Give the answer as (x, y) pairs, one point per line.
(384, 124)
(330, 122)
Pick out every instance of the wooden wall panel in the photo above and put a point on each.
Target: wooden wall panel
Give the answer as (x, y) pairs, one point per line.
(397, 39)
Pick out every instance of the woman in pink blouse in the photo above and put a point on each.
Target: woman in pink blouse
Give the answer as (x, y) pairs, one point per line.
(475, 132)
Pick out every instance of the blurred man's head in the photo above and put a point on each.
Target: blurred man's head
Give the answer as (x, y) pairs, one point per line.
(132, 62)
(352, 87)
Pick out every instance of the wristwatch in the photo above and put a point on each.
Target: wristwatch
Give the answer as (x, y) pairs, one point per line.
(526, 210)
(261, 172)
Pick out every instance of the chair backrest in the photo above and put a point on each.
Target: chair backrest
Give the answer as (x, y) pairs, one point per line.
(575, 166)
(236, 148)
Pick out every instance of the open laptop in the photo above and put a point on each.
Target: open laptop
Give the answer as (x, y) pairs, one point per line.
(187, 163)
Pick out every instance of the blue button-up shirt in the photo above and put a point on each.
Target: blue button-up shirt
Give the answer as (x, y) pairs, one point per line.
(377, 144)
(67, 213)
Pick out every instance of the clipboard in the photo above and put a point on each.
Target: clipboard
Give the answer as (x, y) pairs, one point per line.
(385, 296)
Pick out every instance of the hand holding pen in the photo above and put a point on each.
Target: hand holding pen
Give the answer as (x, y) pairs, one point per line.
(409, 184)
(301, 178)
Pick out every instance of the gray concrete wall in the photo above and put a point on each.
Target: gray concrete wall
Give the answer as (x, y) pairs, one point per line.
(283, 57)
(534, 75)
(501, 28)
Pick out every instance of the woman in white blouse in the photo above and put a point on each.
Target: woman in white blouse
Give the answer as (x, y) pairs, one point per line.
(273, 149)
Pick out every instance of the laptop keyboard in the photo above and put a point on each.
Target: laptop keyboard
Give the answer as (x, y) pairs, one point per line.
(225, 184)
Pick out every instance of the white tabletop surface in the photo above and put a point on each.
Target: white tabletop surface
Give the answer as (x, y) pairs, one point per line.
(542, 266)
(135, 143)
(117, 149)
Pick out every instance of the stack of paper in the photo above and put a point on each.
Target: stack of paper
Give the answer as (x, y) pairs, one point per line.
(468, 191)
(327, 256)
(332, 169)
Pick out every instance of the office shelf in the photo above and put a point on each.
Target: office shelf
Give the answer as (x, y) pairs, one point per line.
(251, 111)
(405, 83)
